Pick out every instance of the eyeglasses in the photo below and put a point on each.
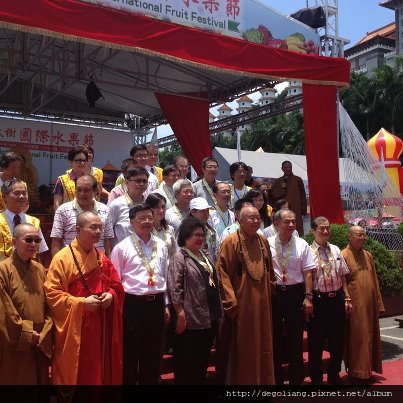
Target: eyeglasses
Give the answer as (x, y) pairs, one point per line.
(360, 235)
(144, 219)
(93, 227)
(80, 161)
(138, 181)
(30, 240)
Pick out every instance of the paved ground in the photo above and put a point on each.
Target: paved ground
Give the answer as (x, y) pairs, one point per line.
(392, 339)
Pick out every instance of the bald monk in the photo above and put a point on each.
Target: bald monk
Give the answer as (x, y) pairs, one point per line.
(246, 343)
(25, 326)
(363, 341)
(85, 298)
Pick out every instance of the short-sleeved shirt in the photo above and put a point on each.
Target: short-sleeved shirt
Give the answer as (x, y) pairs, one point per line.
(174, 217)
(302, 259)
(64, 222)
(119, 212)
(330, 268)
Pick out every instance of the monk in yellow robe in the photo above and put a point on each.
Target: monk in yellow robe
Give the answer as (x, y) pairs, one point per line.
(85, 298)
(245, 346)
(25, 326)
(363, 352)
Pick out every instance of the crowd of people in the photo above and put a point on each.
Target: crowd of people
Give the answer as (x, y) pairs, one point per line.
(160, 262)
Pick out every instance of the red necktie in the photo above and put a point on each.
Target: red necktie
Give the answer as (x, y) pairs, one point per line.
(16, 220)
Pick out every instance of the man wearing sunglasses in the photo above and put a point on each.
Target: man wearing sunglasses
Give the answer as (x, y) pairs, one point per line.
(15, 197)
(136, 183)
(25, 326)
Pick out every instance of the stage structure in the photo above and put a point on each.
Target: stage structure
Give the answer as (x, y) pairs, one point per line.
(178, 72)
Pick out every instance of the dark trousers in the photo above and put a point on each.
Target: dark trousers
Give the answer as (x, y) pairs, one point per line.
(327, 323)
(191, 355)
(288, 315)
(143, 322)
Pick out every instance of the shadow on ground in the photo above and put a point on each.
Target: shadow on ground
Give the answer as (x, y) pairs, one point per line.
(390, 351)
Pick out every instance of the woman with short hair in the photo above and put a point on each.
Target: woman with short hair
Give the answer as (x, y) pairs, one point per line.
(194, 291)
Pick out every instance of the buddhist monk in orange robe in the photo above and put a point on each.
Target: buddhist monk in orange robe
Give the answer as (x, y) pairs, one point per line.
(85, 298)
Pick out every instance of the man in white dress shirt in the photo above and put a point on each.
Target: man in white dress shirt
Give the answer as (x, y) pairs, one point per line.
(293, 262)
(141, 261)
(136, 184)
(15, 197)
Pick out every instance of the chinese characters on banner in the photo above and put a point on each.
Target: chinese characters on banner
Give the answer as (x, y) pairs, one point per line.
(41, 139)
(49, 143)
(250, 20)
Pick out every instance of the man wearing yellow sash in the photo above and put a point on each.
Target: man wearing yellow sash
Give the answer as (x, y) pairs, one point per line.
(153, 153)
(141, 260)
(16, 200)
(66, 184)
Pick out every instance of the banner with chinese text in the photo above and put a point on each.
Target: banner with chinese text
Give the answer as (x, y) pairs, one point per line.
(251, 20)
(48, 144)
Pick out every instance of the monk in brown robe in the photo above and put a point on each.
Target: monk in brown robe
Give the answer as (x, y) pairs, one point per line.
(246, 343)
(85, 298)
(25, 326)
(363, 341)
(292, 189)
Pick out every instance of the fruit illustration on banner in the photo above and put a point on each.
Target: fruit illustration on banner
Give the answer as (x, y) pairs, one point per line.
(295, 42)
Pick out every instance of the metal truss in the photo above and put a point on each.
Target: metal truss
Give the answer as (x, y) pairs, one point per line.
(288, 104)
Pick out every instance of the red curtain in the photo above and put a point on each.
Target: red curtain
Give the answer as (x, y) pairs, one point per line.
(320, 121)
(188, 118)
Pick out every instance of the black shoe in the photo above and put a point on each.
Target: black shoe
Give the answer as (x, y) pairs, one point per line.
(316, 381)
(335, 380)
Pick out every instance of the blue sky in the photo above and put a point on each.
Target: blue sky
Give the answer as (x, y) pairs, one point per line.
(356, 17)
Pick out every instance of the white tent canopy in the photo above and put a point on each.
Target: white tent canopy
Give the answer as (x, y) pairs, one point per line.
(268, 165)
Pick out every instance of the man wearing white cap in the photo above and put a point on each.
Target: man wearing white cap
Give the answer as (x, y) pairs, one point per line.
(200, 209)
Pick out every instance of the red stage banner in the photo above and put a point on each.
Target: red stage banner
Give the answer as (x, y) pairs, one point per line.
(76, 20)
(320, 122)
